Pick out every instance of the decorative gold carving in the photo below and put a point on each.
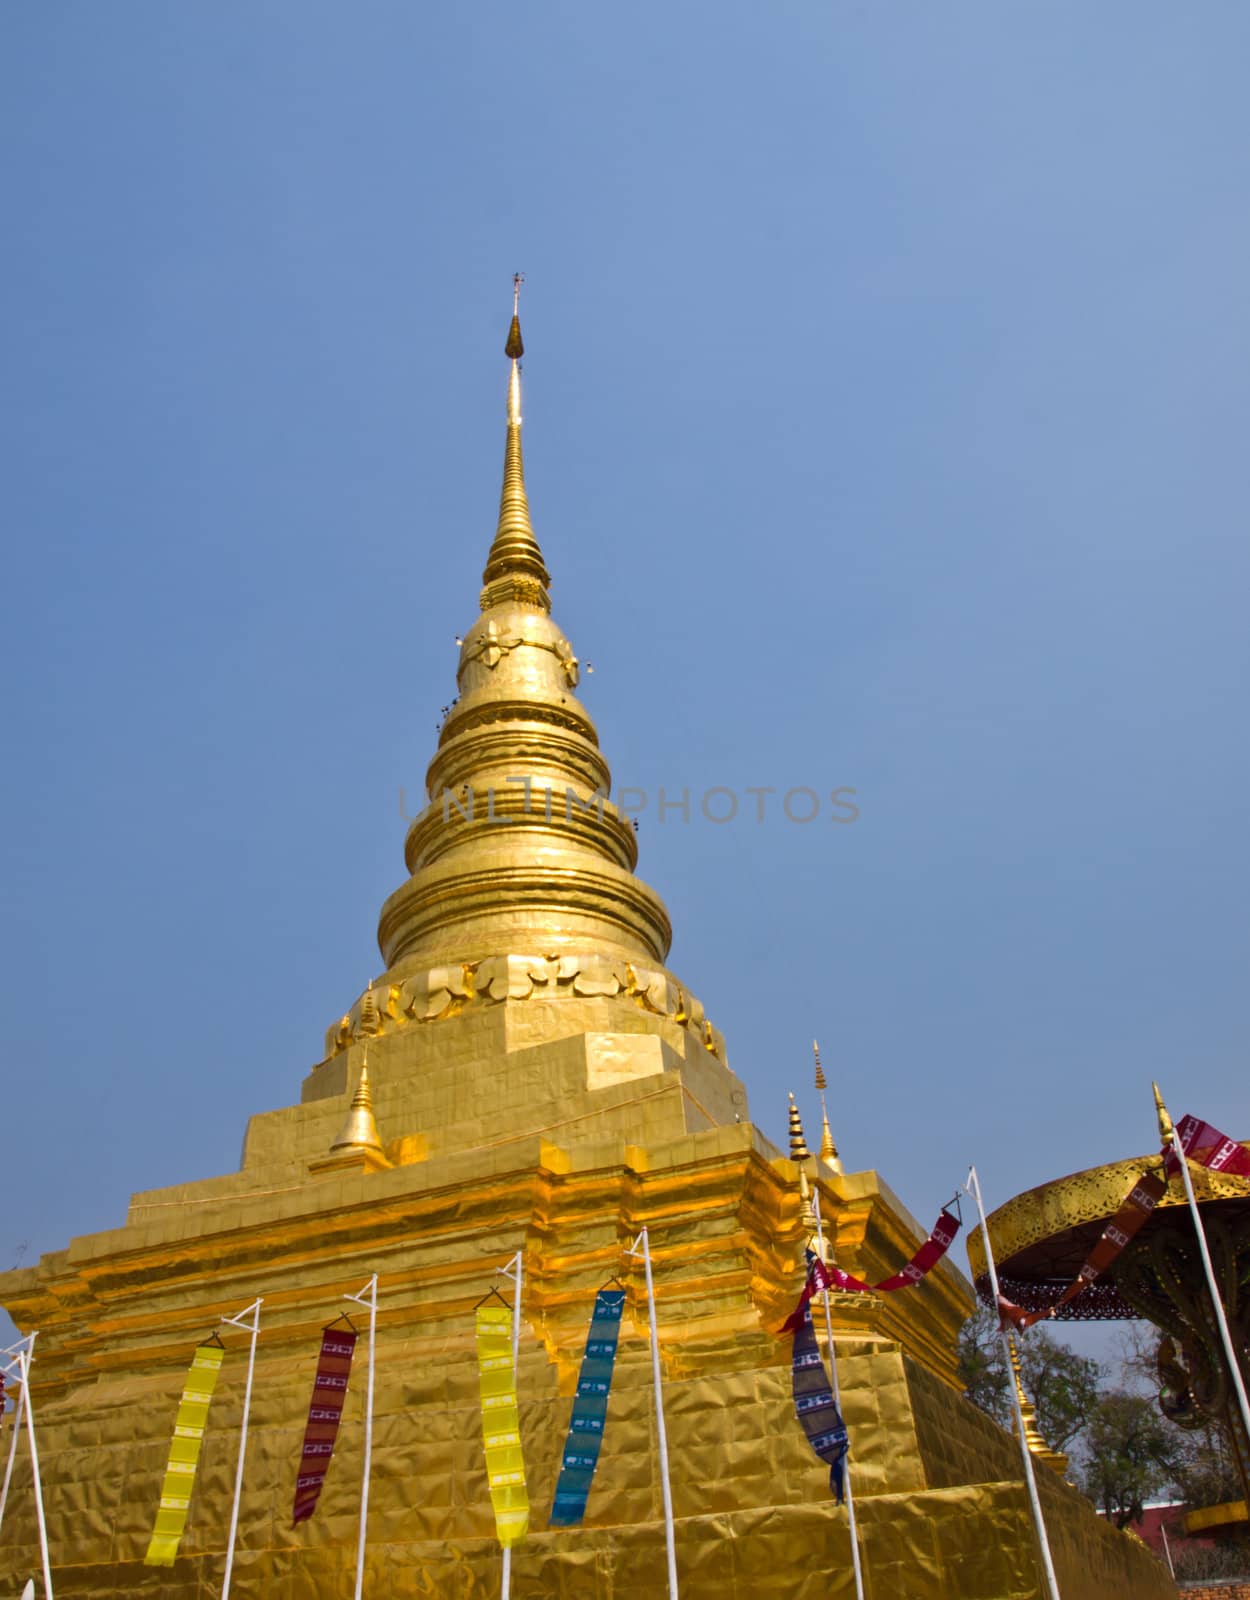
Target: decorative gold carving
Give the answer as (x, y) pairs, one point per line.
(520, 591)
(568, 661)
(370, 1021)
(491, 648)
(1085, 1197)
(444, 992)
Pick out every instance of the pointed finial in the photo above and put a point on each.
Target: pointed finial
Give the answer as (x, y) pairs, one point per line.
(828, 1150)
(370, 1017)
(1028, 1412)
(360, 1131)
(515, 569)
(515, 349)
(798, 1144)
(1165, 1121)
(807, 1209)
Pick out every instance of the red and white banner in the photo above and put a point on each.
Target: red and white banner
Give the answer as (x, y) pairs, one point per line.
(334, 1367)
(821, 1277)
(1209, 1148)
(940, 1239)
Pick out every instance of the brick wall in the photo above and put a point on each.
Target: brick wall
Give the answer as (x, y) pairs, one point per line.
(1216, 1591)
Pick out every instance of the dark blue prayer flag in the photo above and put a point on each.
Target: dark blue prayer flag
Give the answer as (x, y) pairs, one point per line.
(814, 1403)
(594, 1383)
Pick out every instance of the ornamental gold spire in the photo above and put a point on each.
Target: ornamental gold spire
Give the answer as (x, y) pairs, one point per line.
(828, 1150)
(798, 1144)
(515, 569)
(800, 1155)
(520, 852)
(1165, 1120)
(360, 1131)
(1028, 1413)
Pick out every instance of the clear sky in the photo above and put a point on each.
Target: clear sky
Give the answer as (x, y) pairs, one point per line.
(886, 418)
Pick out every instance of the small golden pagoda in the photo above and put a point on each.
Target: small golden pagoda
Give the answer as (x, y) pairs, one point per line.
(1054, 1459)
(538, 1081)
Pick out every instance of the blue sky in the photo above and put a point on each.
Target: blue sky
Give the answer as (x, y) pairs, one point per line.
(886, 404)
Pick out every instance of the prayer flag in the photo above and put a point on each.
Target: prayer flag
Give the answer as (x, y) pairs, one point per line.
(501, 1429)
(941, 1236)
(1209, 1148)
(334, 1366)
(820, 1277)
(590, 1407)
(184, 1455)
(814, 1405)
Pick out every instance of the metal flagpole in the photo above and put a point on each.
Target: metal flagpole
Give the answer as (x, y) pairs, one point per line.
(24, 1361)
(10, 1366)
(368, 1296)
(837, 1400)
(644, 1240)
(252, 1311)
(1229, 1350)
(1167, 1549)
(513, 1269)
(973, 1187)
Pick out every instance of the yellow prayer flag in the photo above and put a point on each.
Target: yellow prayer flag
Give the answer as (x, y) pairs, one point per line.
(501, 1431)
(184, 1455)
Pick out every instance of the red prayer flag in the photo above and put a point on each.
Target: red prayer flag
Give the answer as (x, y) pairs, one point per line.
(820, 1277)
(329, 1392)
(1209, 1148)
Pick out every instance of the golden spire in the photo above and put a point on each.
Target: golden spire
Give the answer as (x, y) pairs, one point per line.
(1028, 1412)
(1165, 1121)
(828, 1150)
(800, 1154)
(360, 1131)
(560, 877)
(798, 1144)
(807, 1209)
(515, 569)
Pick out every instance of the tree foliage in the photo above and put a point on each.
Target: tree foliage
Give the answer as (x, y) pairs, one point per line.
(1065, 1387)
(1132, 1454)
(1124, 1451)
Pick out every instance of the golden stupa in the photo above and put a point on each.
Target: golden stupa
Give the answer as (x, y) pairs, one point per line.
(537, 1081)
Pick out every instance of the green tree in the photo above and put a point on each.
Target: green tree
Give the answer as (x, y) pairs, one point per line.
(1132, 1454)
(1064, 1386)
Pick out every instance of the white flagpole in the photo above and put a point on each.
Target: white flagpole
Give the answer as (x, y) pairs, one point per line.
(18, 1410)
(368, 1296)
(837, 1400)
(1167, 1549)
(24, 1361)
(512, 1270)
(1218, 1304)
(644, 1240)
(973, 1187)
(252, 1311)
